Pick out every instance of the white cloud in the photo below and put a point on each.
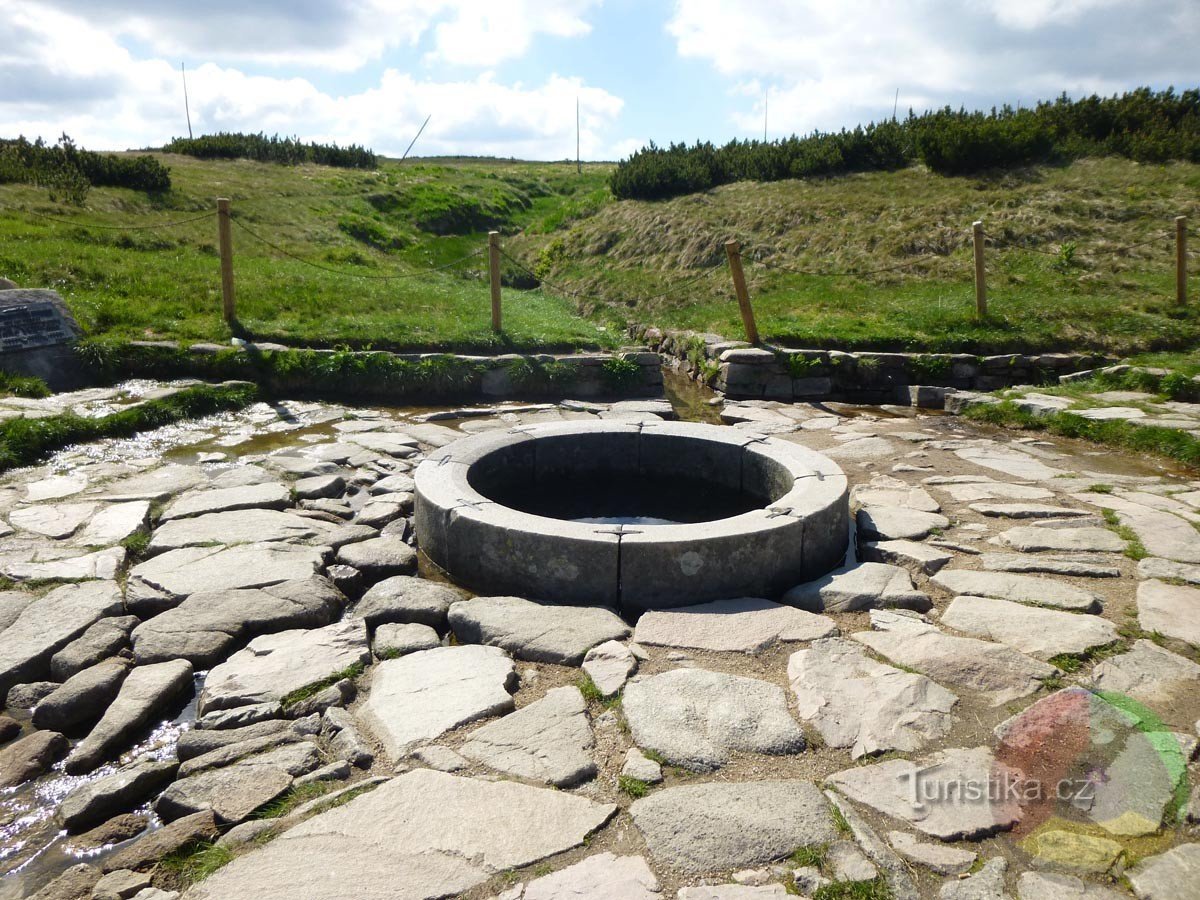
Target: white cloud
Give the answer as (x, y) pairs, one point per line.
(832, 65)
(77, 79)
(340, 35)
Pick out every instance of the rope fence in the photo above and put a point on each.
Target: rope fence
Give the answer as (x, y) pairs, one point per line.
(981, 240)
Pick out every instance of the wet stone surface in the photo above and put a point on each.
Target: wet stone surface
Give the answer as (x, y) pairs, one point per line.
(987, 629)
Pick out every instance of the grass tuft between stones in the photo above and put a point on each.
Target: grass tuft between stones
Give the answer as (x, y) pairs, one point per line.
(634, 787)
(813, 857)
(194, 862)
(875, 889)
(309, 690)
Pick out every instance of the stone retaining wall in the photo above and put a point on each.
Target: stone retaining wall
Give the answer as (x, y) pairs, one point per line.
(744, 372)
(287, 370)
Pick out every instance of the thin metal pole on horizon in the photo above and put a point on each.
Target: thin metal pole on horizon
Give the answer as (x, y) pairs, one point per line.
(418, 134)
(183, 73)
(766, 101)
(578, 161)
(896, 104)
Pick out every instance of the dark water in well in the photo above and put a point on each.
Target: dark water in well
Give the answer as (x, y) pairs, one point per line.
(613, 499)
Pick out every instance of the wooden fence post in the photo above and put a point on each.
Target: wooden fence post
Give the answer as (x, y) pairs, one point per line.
(494, 276)
(734, 251)
(225, 236)
(980, 275)
(1181, 273)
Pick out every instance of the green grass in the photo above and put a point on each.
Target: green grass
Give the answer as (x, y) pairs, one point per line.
(165, 283)
(809, 856)
(194, 862)
(634, 787)
(840, 823)
(22, 386)
(1140, 439)
(619, 256)
(1120, 302)
(1073, 662)
(876, 889)
(26, 441)
(311, 690)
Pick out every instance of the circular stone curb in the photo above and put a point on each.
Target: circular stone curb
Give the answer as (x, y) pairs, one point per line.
(799, 535)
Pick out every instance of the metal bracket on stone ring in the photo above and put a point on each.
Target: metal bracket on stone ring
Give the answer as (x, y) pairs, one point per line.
(470, 504)
(619, 530)
(777, 512)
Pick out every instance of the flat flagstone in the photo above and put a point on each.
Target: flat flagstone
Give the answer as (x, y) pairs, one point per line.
(268, 495)
(1161, 533)
(549, 740)
(389, 442)
(717, 826)
(100, 564)
(1169, 609)
(538, 632)
(930, 796)
(1018, 588)
(52, 520)
(114, 523)
(1139, 786)
(1167, 570)
(863, 586)
(166, 579)
(55, 487)
(1000, 672)
(144, 692)
(1041, 633)
(609, 665)
(1078, 566)
(937, 858)
(1174, 875)
(249, 526)
(1150, 674)
(416, 698)
(746, 625)
(918, 558)
(1032, 539)
(600, 877)
(157, 484)
(208, 625)
(995, 490)
(887, 491)
(274, 665)
(420, 836)
(1027, 511)
(48, 624)
(1053, 886)
(1013, 463)
(696, 718)
(893, 523)
(868, 706)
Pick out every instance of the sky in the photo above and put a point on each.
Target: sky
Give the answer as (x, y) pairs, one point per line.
(502, 77)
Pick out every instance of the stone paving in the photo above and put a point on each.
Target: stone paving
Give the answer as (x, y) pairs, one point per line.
(221, 633)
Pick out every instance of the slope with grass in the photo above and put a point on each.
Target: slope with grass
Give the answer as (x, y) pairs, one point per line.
(130, 281)
(1062, 280)
(1060, 276)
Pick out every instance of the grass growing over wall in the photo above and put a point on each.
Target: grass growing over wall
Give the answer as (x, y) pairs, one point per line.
(26, 441)
(1165, 442)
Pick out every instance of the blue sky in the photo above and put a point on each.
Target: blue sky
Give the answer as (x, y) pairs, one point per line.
(501, 77)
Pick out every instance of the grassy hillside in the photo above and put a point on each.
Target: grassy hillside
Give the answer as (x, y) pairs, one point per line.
(1092, 294)
(159, 283)
(1064, 284)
